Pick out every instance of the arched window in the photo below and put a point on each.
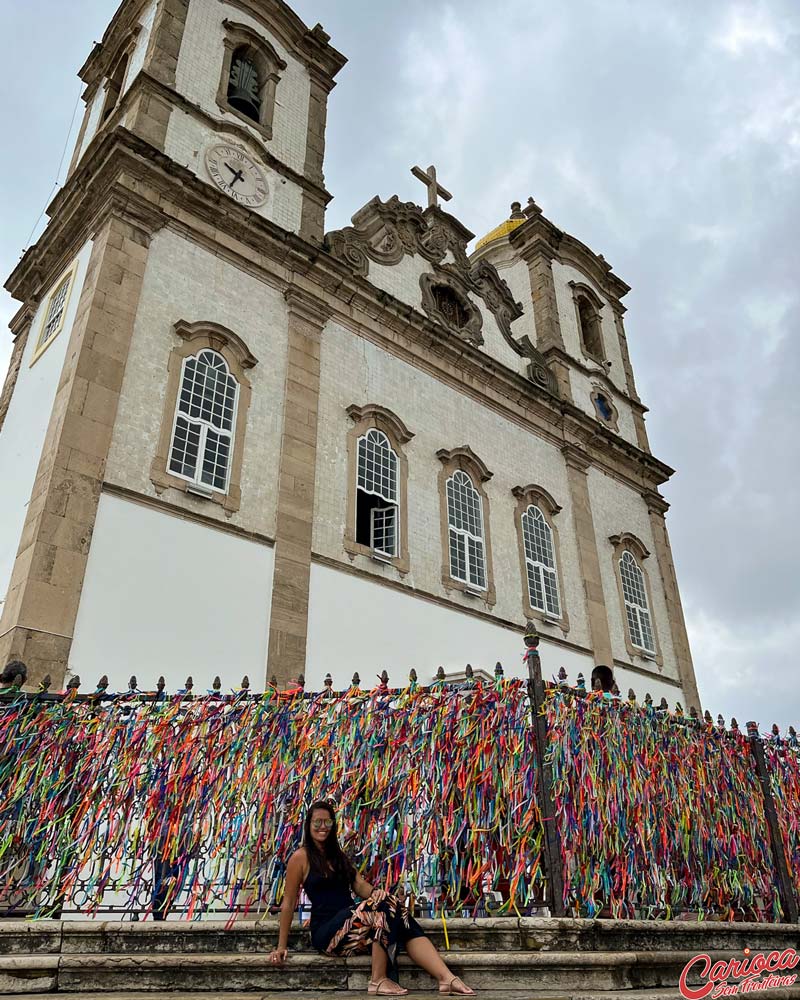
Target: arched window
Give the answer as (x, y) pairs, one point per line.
(202, 439)
(377, 494)
(465, 522)
(637, 608)
(251, 70)
(540, 562)
(244, 84)
(591, 335)
(114, 87)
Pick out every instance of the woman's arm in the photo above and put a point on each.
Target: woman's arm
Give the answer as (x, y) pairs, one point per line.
(294, 876)
(362, 888)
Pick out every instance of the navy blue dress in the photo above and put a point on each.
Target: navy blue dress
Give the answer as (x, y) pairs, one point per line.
(339, 926)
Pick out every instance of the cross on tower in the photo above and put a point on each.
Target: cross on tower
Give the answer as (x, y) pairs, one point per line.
(428, 178)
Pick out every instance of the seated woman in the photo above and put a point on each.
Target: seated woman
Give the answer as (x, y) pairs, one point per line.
(340, 927)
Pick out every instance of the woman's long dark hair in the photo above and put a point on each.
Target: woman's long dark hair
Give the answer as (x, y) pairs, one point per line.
(333, 857)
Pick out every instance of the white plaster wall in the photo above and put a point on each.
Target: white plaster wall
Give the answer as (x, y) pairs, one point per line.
(582, 389)
(355, 624)
(186, 143)
(27, 420)
(356, 371)
(142, 39)
(94, 110)
(562, 275)
(185, 281)
(200, 66)
(517, 277)
(166, 596)
(615, 509)
(494, 343)
(402, 279)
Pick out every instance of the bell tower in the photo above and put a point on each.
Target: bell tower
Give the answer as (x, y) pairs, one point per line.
(235, 92)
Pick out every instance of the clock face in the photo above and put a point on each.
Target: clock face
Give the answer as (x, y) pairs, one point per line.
(237, 175)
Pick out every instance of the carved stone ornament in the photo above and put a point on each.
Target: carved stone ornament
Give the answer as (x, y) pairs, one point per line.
(445, 300)
(384, 231)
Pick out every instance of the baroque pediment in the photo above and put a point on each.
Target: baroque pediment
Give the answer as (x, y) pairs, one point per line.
(384, 232)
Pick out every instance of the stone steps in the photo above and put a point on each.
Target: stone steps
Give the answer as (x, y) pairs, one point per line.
(509, 957)
(204, 971)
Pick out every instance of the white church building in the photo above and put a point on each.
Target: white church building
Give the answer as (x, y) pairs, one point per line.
(233, 443)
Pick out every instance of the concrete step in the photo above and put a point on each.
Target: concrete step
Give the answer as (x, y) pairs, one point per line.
(166, 972)
(486, 934)
(789, 993)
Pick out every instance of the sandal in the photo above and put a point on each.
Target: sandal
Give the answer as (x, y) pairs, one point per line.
(456, 987)
(378, 988)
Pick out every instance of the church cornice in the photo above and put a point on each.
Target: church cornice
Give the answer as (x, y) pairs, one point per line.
(126, 176)
(537, 235)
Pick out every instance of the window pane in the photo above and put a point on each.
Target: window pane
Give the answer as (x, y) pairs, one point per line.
(206, 405)
(535, 589)
(551, 592)
(55, 311)
(477, 574)
(648, 641)
(185, 447)
(636, 606)
(377, 466)
(384, 533)
(458, 556)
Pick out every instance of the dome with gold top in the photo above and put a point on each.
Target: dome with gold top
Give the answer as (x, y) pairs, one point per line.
(515, 220)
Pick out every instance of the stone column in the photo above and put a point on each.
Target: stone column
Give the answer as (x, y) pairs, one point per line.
(657, 507)
(39, 614)
(577, 466)
(549, 339)
(312, 218)
(638, 410)
(296, 477)
(20, 326)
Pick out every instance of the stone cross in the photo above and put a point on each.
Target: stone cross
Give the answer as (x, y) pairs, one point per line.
(428, 178)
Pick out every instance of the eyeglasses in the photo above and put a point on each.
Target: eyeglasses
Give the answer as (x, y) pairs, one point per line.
(321, 824)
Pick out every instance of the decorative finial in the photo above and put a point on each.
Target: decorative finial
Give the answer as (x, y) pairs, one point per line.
(531, 637)
(735, 724)
(44, 684)
(693, 713)
(74, 683)
(532, 208)
(245, 683)
(498, 671)
(132, 683)
(775, 730)
(631, 696)
(189, 684)
(708, 718)
(384, 679)
(440, 673)
(469, 673)
(648, 700)
(663, 706)
(356, 680)
(217, 684)
(301, 682)
(102, 684)
(160, 685)
(412, 676)
(752, 728)
(581, 684)
(615, 689)
(562, 678)
(328, 682)
(516, 210)
(679, 709)
(721, 721)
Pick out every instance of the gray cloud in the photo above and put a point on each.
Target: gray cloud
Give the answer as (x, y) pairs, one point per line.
(665, 135)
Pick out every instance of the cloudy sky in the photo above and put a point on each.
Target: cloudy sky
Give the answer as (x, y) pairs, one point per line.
(664, 134)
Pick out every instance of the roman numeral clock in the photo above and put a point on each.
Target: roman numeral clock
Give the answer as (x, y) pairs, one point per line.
(235, 173)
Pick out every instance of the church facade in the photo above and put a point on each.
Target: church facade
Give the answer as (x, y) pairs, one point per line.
(236, 444)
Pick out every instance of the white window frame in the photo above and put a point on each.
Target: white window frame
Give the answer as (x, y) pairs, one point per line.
(640, 612)
(392, 502)
(66, 278)
(464, 537)
(204, 426)
(538, 567)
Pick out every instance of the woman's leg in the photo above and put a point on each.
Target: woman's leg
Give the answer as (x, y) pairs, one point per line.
(380, 961)
(422, 951)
